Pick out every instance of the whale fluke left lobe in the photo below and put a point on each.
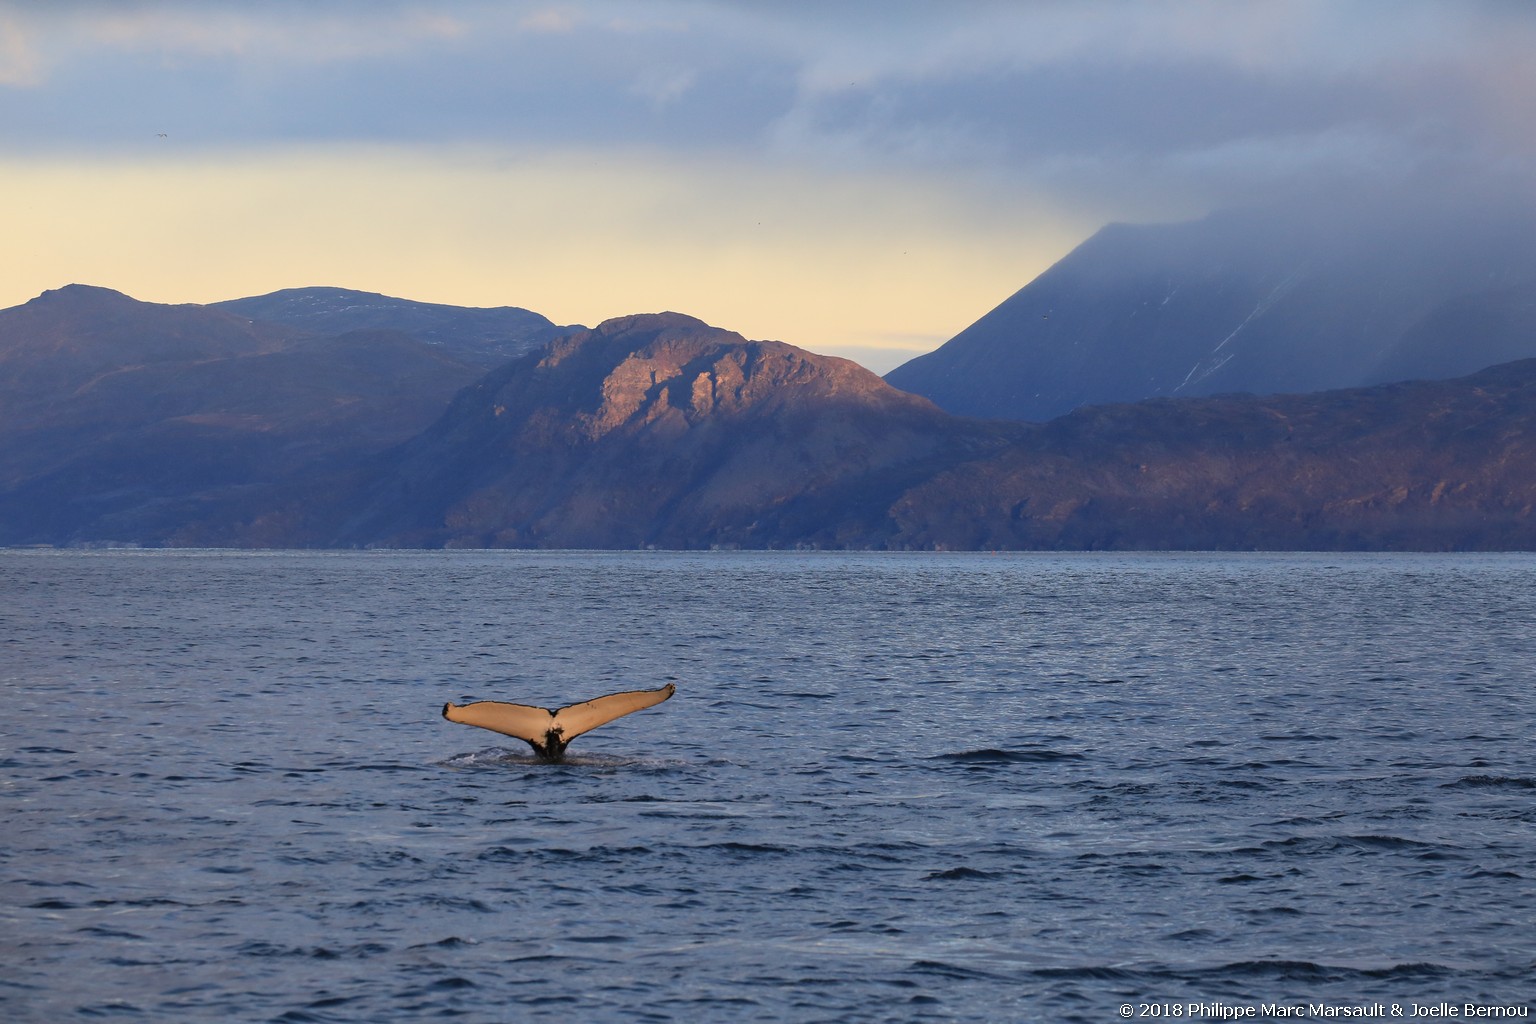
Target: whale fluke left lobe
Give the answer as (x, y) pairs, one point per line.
(548, 732)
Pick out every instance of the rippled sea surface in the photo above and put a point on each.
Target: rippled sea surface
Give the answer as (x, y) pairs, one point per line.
(890, 787)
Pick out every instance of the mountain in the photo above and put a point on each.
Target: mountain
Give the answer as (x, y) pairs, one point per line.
(66, 337)
(120, 419)
(1466, 333)
(661, 430)
(486, 336)
(1262, 301)
(134, 422)
(1420, 465)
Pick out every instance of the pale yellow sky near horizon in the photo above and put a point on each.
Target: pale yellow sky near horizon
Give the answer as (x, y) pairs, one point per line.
(874, 267)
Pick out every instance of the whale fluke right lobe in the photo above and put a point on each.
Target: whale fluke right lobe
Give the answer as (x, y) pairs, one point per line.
(549, 732)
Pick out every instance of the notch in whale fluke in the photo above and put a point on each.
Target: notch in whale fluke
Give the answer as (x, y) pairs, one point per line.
(549, 732)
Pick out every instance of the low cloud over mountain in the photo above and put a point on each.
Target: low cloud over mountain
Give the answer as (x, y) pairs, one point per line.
(1283, 299)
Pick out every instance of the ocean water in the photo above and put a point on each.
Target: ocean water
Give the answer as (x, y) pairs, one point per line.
(923, 787)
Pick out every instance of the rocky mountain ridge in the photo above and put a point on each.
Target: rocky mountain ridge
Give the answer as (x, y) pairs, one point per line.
(137, 423)
(659, 430)
(120, 419)
(481, 335)
(1420, 465)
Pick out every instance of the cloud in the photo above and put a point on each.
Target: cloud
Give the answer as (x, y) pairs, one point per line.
(1077, 111)
(150, 34)
(550, 19)
(248, 34)
(662, 85)
(1176, 98)
(20, 63)
(1179, 98)
(496, 74)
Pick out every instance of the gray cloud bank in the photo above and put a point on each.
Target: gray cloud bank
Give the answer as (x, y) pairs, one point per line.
(1125, 107)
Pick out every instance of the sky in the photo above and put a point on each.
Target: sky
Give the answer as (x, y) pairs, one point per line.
(861, 178)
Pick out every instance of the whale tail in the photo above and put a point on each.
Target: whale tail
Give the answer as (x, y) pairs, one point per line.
(549, 732)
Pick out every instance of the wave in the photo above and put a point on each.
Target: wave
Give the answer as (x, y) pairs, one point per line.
(502, 757)
(1307, 970)
(1162, 975)
(957, 874)
(992, 755)
(451, 942)
(1308, 846)
(954, 971)
(1491, 782)
(1248, 970)
(564, 855)
(361, 950)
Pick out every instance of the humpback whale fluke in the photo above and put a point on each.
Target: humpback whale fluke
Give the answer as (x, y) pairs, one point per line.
(548, 732)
